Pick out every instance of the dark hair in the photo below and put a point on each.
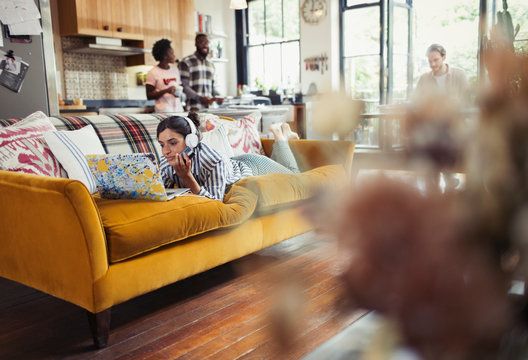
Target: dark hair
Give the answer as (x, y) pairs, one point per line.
(160, 49)
(199, 35)
(436, 47)
(179, 124)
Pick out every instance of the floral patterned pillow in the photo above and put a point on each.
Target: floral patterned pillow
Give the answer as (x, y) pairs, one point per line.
(23, 148)
(243, 134)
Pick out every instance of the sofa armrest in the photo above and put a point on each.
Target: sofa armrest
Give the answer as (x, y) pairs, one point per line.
(51, 236)
(311, 154)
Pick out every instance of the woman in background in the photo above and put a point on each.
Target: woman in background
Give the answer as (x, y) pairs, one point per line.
(189, 163)
(163, 81)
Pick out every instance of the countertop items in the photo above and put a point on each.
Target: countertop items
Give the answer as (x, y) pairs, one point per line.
(72, 107)
(107, 106)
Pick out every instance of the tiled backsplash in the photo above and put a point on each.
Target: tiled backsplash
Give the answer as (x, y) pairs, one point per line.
(89, 76)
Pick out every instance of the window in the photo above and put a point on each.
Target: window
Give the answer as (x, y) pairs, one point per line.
(268, 44)
(376, 62)
(383, 52)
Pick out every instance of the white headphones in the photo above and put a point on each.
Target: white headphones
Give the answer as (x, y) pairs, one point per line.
(191, 140)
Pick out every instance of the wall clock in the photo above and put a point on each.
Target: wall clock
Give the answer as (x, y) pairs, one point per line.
(313, 11)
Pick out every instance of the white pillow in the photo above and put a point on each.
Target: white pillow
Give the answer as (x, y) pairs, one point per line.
(217, 139)
(70, 148)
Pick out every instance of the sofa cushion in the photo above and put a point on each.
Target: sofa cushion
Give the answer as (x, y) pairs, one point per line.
(23, 148)
(70, 147)
(217, 139)
(136, 226)
(243, 133)
(277, 191)
(119, 134)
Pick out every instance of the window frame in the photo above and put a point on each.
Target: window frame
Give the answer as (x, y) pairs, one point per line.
(386, 44)
(242, 41)
(386, 55)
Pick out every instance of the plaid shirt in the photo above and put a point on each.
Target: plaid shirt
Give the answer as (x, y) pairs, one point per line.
(197, 77)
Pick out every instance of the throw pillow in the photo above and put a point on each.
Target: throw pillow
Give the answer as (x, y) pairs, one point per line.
(70, 148)
(23, 149)
(243, 134)
(217, 139)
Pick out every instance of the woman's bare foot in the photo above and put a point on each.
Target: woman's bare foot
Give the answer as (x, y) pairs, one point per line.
(288, 133)
(278, 135)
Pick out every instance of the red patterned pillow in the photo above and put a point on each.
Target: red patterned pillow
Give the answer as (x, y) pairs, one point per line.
(23, 148)
(243, 133)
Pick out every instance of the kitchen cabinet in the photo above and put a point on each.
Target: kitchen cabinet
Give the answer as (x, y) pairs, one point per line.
(108, 18)
(182, 31)
(170, 19)
(156, 25)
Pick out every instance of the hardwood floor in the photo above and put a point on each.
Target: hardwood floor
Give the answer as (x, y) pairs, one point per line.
(224, 313)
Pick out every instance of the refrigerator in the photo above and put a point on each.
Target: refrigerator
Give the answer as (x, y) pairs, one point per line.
(39, 87)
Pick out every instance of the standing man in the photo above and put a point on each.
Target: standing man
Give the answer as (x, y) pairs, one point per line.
(163, 81)
(443, 79)
(197, 75)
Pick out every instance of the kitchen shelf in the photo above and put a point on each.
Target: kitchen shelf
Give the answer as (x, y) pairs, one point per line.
(220, 60)
(216, 35)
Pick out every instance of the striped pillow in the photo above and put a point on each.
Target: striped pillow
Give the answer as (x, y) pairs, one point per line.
(70, 148)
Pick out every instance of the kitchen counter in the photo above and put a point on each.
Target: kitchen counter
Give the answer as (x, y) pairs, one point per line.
(112, 106)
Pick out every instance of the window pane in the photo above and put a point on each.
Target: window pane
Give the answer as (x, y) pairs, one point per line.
(399, 92)
(519, 13)
(256, 27)
(361, 31)
(290, 65)
(273, 20)
(256, 65)
(367, 133)
(435, 22)
(401, 30)
(272, 65)
(362, 80)
(291, 19)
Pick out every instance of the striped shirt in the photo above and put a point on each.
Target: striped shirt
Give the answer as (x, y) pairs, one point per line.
(211, 170)
(197, 77)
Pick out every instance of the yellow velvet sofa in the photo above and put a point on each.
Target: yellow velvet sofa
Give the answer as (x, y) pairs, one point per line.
(58, 238)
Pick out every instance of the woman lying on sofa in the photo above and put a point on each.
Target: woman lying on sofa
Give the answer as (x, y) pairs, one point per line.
(189, 163)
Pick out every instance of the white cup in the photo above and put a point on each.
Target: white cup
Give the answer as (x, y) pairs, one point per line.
(178, 90)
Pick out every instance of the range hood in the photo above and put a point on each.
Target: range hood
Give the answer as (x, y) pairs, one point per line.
(106, 46)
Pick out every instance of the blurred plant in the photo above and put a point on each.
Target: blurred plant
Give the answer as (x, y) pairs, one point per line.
(411, 258)
(503, 31)
(499, 53)
(497, 165)
(336, 113)
(440, 265)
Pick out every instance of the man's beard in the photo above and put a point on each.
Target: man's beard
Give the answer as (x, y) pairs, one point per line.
(203, 52)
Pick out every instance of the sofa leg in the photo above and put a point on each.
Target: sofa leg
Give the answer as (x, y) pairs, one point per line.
(100, 327)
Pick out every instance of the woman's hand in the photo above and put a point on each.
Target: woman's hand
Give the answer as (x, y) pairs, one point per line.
(182, 165)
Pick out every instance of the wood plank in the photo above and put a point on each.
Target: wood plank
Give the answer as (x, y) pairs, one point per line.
(176, 316)
(244, 314)
(235, 301)
(218, 314)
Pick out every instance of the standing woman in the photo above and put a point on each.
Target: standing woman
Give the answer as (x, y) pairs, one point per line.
(189, 163)
(163, 81)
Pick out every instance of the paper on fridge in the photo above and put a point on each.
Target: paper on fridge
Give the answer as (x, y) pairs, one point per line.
(31, 27)
(17, 11)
